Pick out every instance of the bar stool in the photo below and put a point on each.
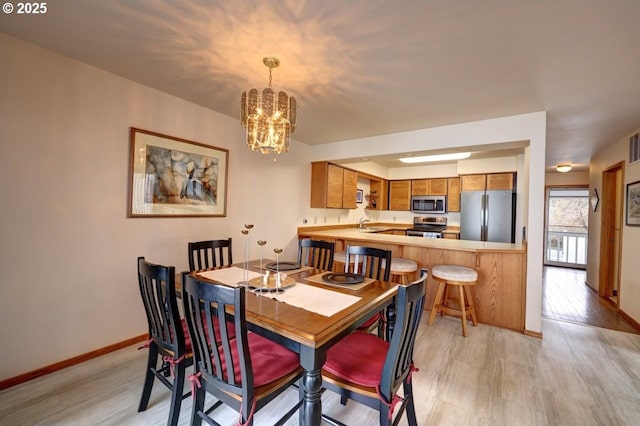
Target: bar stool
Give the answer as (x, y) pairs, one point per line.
(463, 278)
(339, 258)
(402, 269)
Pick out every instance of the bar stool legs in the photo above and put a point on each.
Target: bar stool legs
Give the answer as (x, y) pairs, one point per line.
(463, 278)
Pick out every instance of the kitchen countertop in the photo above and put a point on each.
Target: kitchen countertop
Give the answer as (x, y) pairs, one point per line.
(354, 233)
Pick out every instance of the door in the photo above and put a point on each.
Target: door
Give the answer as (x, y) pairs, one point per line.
(567, 225)
(611, 233)
(471, 215)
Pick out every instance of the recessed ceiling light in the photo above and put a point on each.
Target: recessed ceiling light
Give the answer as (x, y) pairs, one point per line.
(439, 157)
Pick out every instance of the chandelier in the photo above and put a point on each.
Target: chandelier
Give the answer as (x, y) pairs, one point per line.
(270, 120)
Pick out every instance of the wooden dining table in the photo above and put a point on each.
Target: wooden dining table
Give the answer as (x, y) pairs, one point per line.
(310, 334)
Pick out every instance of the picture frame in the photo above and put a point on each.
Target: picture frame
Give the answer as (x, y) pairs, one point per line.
(633, 204)
(359, 196)
(175, 177)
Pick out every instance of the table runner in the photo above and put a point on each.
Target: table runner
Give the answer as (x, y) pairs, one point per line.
(229, 276)
(319, 300)
(314, 299)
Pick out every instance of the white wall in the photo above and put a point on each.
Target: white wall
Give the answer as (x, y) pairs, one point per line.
(69, 252)
(630, 267)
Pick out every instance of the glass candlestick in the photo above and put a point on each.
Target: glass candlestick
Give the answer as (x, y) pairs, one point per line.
(277, 251)
(245, 263)
(262, 243)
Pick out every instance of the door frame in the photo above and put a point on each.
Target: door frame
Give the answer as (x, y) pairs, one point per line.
(547, 190)
(611, 213)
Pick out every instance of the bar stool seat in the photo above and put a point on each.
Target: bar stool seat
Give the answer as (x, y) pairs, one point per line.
(461, 277)
(401, 269)
(339, 258)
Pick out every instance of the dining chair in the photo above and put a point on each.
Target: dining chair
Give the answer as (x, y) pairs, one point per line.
(370, 370)
(369, 262)
(209, 254)
(318, 254)
(169, 342)
(245, 372)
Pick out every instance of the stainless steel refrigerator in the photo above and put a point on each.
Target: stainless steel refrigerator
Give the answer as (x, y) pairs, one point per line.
(488, 216)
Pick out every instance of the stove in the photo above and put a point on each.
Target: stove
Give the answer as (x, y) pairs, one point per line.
(427, 227)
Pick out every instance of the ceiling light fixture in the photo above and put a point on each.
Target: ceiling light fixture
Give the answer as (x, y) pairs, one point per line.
(270, 120)
(439, 157)
(563, 168)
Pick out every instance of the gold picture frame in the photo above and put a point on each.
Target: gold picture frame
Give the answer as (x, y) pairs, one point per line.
(175, 177)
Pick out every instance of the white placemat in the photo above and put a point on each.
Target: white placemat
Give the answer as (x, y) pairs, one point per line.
(314, 299)
(229, 276)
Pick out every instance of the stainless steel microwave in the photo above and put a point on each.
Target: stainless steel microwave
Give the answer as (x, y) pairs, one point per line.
(429, 204)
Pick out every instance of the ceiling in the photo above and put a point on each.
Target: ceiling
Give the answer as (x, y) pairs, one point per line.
(361, 68)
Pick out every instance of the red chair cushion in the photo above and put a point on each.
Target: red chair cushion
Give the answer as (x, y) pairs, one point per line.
(358, 358)
(368, 323)
(270, 361)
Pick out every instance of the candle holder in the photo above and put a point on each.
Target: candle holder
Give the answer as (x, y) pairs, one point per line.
(262, 243)
(247, 240)
(277, 251)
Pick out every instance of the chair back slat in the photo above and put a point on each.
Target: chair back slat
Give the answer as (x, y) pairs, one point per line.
(158, 293)
(209, 254)
(410, 305)
(368, 262)
(318, 254)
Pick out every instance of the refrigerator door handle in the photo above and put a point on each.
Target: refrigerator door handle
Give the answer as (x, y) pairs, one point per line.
(483, 220)
(486, 218)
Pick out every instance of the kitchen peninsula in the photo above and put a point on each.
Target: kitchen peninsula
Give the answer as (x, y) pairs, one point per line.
(500, 293)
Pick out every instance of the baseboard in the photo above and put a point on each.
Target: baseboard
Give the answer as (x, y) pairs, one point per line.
(13, 381)
(628, 319)
(537, 334)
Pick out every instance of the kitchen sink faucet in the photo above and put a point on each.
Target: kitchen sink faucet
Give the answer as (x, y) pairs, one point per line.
(361, 222)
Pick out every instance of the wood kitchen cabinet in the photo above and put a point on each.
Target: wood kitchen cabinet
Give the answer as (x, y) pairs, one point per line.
(378, 190)
(399, 195)
(494, 181)
(429, 186)
(453, 194)
(333, 186)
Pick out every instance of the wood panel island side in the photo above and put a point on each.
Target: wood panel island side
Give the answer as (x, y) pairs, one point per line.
(499, 295)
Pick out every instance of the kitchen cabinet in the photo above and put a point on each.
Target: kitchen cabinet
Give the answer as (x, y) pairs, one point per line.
(429, 186)
(453, 194)
(499, 181)
(399, 195)
(333, 186)
(378, 190)
(491, 182)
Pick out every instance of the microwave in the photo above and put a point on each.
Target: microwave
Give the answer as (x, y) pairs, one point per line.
(429, 204)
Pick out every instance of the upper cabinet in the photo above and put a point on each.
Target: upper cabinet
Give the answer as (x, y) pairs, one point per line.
(333, 186)
(429, 186)
(399, 195)
(494, 181)
(378, 191)
(453, 194)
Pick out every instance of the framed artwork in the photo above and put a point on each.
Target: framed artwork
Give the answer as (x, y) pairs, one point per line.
(633, 204)
(359, 193)
(174, 177)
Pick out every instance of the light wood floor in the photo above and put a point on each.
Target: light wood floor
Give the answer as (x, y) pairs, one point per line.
(566, 297)
(575, 375)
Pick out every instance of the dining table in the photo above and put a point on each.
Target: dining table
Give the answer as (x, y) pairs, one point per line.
(308, 317)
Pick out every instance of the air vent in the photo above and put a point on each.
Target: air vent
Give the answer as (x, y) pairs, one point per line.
(634, 149)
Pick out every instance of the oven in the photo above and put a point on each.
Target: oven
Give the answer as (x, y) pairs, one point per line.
(427, 227)
(423, 234)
